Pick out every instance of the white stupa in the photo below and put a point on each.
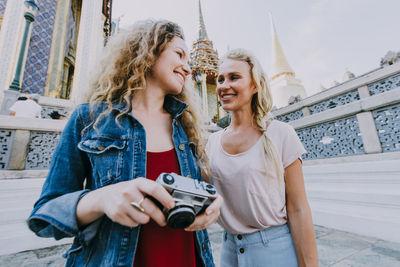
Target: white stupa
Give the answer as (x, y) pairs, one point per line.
(282, 77)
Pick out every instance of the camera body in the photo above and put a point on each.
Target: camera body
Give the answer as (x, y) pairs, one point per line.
(191, 196)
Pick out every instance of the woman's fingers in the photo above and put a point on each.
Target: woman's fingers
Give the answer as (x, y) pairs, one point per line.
(136, 215)
(208, 217)
(154, 212)
(203, 221)
(151, 188)
(215, 205)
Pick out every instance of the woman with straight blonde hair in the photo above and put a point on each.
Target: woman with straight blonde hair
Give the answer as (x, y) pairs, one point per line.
(256, 166)
(141, 121)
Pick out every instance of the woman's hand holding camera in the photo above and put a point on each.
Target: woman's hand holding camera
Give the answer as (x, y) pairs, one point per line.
(119, 202)
(210, 215)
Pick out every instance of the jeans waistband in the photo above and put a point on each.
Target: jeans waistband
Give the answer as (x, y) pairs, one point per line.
(263, 236)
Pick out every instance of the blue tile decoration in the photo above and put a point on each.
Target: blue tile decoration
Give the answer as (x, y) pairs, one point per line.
(292, 116)
(37, 62)
(3, 4)
(384, 85)
(337, 138)
(41, 149)
(6, 142)
(334, 102)
(387, 121)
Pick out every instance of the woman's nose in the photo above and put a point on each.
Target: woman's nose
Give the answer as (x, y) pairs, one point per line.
(186, 68)
(222, 85)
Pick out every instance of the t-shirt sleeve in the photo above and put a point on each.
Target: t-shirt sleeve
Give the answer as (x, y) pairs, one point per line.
(292, 148)
(211, 142)
(14, 107)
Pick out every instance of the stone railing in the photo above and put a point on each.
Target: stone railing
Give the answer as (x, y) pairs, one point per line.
(352, 167)
(26, 143)
(63, 107)
(361, 116)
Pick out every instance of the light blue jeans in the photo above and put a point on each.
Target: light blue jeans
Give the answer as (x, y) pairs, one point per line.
(269, 247)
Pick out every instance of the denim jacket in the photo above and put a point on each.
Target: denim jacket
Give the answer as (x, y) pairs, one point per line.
(86, 159)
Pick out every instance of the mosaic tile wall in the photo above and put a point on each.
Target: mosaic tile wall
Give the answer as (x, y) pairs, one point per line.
(3, 4)
(37, 61)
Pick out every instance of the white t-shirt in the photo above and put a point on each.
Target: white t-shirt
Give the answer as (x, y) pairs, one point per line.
(254, 196)
(26, 108)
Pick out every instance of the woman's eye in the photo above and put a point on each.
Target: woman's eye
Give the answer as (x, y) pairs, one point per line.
(180, 54)
(220, 80)
(234, 77)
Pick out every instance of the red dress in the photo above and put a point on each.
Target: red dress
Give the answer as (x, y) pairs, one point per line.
(163, 246)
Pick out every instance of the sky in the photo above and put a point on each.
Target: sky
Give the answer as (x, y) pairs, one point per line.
(322, 39)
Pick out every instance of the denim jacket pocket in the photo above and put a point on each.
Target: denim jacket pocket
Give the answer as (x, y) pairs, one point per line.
(106, 157)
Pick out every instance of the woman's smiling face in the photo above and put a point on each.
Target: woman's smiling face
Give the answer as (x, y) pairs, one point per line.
(171, 67)
(235, 87)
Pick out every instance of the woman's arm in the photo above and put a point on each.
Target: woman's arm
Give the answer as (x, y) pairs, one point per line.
(115, 202)
(299, 216)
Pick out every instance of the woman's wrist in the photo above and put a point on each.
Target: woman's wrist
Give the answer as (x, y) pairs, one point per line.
(90, 207)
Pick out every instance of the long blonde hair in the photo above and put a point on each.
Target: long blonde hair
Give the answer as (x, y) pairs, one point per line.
(261, 104)
(128, 59)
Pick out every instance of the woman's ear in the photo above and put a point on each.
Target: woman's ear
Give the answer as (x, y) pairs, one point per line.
(254, 88)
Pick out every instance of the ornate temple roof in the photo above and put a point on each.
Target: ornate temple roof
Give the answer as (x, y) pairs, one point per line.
(203, 57)
(279, 64)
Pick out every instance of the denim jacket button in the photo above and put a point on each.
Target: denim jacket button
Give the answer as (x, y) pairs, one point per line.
(188, 176)
(176, 123)
(181, 147)
(100, 148)
(203, 246)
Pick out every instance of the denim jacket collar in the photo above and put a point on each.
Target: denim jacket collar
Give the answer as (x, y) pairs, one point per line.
(172, 105)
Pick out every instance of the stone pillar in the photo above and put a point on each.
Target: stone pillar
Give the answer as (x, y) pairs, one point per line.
(58, 47)
(221, 112)
(363, 92)
(204, 100)
(369, 133)
(306, 111)
(90, 43)
(19, 150)
(10, 43)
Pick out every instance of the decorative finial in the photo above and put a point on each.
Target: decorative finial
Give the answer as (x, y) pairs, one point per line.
(202, 30)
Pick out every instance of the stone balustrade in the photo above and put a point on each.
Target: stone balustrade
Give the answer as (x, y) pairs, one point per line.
(27, 143)
(352, 136)
(361, 116)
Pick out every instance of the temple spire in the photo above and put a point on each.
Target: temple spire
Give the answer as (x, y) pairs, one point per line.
(279, 64)
(202, 30)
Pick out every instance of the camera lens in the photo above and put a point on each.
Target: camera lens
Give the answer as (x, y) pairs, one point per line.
(181, 216)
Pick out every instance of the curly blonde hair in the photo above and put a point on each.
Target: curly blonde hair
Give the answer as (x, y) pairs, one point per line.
(128, 59)
(261, 103)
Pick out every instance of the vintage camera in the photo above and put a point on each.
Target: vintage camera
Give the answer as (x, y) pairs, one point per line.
(191, 196)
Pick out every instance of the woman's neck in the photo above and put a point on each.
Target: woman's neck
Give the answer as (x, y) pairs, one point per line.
(242, 119)
(149, 101)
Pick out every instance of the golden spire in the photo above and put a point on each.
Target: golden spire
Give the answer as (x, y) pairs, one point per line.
(203, 57)
(202, 30)
(279, 64)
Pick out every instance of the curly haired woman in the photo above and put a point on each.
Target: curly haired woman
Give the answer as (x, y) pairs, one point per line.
(141, 121)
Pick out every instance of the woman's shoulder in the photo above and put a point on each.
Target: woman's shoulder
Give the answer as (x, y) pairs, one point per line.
(281, 131)
(280, 126)
(215, 135)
